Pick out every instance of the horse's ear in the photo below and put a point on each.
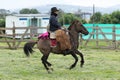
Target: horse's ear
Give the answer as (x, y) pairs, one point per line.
(76, 21)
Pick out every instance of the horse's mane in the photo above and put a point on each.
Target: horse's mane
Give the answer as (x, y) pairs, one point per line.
(73, 23)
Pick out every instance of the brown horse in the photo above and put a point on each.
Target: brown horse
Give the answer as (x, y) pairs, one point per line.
(44, 46)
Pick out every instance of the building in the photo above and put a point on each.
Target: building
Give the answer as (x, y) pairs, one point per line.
(27, 20)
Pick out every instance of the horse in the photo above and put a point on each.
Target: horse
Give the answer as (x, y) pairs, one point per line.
(44, 46)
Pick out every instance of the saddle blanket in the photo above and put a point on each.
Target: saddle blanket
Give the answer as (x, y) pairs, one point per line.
(44, 36)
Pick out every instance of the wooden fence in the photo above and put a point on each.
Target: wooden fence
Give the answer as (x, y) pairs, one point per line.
(14, 43)
(96, 31)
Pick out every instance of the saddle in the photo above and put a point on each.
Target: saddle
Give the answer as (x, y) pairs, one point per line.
(61, 37)
(44, 36)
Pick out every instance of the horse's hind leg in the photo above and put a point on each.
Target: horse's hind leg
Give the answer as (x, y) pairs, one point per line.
(82, 57)
(46, 63)
(76, 60)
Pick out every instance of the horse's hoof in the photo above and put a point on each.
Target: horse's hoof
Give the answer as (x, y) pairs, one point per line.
(51, 68)
(82, 63)
(71, 68)
(49, 71)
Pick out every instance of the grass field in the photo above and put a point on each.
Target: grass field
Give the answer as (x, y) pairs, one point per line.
(100, 64)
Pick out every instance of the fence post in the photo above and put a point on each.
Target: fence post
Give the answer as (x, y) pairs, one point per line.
(14, 39)
(114, 37)
(6, 38)
(22, 38)
(31, 32)
(97, 41)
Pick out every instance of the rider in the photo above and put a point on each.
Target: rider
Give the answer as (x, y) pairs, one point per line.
(54, 25)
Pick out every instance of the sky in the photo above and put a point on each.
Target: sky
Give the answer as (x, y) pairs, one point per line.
(16, 4)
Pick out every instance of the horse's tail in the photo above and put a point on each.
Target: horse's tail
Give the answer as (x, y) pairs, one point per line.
(28, 47)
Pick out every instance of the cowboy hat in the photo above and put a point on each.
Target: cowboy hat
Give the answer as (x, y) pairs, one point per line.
(54, 9)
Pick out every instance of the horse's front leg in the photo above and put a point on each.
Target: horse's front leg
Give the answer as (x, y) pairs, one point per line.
(76, 60)
(82, 57)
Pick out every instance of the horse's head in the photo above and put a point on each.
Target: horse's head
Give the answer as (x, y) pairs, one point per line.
(78, 27)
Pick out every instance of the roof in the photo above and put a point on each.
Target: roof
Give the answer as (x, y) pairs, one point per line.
(32, 15)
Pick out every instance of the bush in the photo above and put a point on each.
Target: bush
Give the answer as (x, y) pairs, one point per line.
(2, 22)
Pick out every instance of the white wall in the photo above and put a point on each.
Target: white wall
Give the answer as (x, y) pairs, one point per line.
(22, 22)
(17, 23)
(44, 22)
(10, 20)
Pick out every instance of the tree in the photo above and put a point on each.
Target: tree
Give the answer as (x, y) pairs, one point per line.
(115, 17)
(96, 17)
(28, 11)
(3, 13)
(105, 19)
(34, 11)
(68, 18)
(61, 16)
(25, 11)
(2, 22)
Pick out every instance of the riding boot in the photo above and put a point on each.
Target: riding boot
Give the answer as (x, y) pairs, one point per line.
(53, 42)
